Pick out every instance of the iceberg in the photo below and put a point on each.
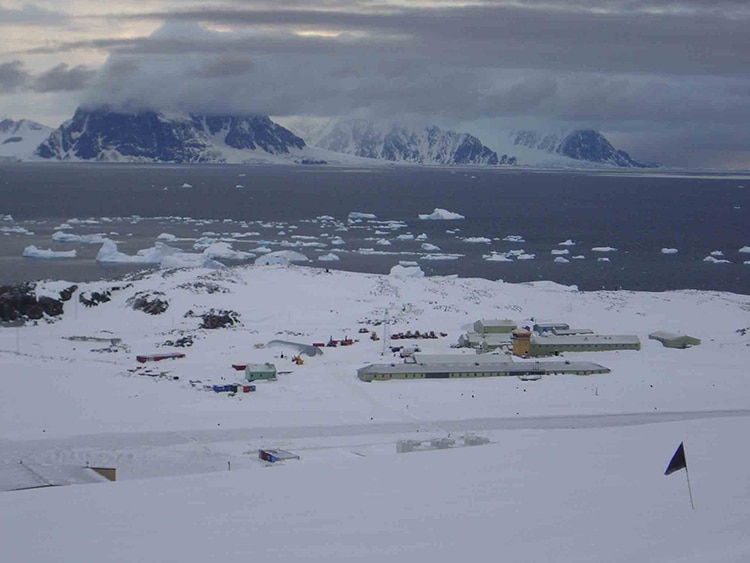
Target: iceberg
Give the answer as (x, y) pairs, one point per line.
(358, 215)
(566, 243)
(426, 246)
(34, 252)
(561, 260)
(281, 258)
(330, 257)
(442, 215)
(401, 271)
(744, 250)
(98, 238)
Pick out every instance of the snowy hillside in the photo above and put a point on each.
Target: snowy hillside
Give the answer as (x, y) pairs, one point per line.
(111, 136)
(583, 145)
(573, 470)
(19, 139)
(399, 142)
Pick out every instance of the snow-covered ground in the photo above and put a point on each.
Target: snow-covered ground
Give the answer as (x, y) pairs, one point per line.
(573, 471)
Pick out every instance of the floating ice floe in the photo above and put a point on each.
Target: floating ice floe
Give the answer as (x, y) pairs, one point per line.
(477, 240)
(566, 243)
(578, 257)
(330, 257)
(441, 257)
(497, 257)
(514, 238)
(383, 242)
(405, 236)
(98, 238)
(669, 251)
(604, 249)
(338, 241)
(223, 250)
(442, 214)
(358, 215)
(63, 226)
(421, 237)
(262, 250)
(15, 231)
(717, 253)
(559, 252)
(34, 252)
(715, 260)
(602, 259)
(744, 250)
(407, 271)
(186, 185)
(166, 236)
(281, 257)
(561, 260)
(426, 246)
(525, 256)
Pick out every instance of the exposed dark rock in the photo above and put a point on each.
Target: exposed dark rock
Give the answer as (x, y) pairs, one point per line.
(183, 342)
(219, 319)
(20, 303)
(104, 133)
(67, 293)
(151, 303)
(94, 298)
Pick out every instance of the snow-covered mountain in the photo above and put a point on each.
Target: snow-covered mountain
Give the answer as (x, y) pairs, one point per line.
(582, 144)
(19, 139)
(403, 143)
(147, 136)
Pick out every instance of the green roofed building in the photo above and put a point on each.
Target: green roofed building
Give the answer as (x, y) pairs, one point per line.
(494, 326)
(260, 372)
(463, 368)
(552, 345)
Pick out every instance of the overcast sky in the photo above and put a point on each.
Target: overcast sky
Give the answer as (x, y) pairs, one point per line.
(667, 81)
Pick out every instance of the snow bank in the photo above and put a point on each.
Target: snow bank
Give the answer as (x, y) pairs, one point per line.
(442, 215)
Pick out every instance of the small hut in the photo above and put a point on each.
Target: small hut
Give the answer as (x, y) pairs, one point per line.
(260, 372)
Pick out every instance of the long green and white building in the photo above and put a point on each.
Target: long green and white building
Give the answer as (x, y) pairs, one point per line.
(461, 368)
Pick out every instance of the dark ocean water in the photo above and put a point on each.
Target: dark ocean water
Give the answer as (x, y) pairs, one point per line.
(639, 215)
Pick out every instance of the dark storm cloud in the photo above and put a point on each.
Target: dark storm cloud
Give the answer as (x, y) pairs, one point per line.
(62, 78)
(13, 76)
(699, 39)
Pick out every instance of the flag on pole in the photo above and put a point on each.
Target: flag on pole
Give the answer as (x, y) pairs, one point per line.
(678, 461)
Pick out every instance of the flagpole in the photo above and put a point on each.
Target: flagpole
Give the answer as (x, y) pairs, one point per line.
(690, 490)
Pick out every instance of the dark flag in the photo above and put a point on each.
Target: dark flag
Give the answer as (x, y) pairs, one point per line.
(678, 461)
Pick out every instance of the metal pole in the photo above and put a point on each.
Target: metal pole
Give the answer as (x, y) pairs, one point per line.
(690, 490)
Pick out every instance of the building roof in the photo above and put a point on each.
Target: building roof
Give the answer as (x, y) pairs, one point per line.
(267, 367)
(492, 338)
(571, 331)
(19, 476)
(578, 339)
(511, 368)
(673, 337)
(477, 359)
